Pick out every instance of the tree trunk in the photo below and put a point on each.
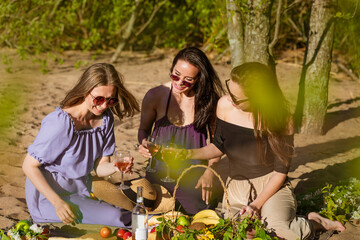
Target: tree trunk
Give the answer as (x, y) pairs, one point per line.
(316, 69)
(127, 33)
(235, 33)
(257, 31)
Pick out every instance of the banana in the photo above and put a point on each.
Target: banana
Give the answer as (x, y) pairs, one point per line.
(207, 221)
(207, 213)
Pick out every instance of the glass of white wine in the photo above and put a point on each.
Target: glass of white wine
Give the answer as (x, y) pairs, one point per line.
(153, 147)
(167, 156)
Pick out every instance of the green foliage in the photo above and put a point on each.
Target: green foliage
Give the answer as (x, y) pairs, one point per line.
(37, 26)
(80, 64)
(6, 61)
(10, 99)
(3, 236)
(340, 203)
(226, 229)
(347, 32)
(24, 229)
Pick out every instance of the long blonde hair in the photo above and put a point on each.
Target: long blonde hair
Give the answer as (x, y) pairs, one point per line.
(102, 74)
(269, 108)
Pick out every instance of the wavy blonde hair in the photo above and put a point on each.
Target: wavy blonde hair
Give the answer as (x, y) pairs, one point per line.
(102, 74)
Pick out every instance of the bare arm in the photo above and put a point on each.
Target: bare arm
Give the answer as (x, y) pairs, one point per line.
(207, 179)
(205, 153)
(32, 171)
(148, 117)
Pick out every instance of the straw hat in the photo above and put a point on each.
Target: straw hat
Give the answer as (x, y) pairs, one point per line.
(156, 198)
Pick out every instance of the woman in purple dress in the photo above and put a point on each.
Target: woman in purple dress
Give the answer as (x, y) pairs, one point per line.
(182, 112)
(75, 139)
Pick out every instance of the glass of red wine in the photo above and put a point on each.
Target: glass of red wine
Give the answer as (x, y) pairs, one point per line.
(153, 147)
(122, 161)
(168, 155)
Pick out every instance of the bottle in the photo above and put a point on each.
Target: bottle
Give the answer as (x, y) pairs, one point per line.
(139, 218)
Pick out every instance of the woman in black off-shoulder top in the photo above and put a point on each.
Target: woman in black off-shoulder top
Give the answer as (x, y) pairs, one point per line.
(255, 131)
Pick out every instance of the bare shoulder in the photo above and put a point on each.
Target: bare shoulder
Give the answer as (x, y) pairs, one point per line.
(223, 107)
(157, 93)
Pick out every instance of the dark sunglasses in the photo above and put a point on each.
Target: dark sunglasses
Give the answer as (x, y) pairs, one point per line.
(233, 98)
(99, 100)
(186, 83)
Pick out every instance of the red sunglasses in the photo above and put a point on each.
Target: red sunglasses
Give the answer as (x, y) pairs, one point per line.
(177, 78)
(99, 100)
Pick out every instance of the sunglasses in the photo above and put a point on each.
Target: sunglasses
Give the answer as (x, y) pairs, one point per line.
(99, 100)
(186, 83)
(233, 98)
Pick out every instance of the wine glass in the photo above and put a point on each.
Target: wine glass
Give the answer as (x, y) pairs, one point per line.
(122, 161)
(153, 147)
(167, 156)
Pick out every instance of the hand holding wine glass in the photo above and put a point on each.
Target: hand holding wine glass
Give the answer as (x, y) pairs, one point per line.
(123, 161)
(153, 148)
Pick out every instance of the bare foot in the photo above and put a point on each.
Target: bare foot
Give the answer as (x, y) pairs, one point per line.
(322, 223)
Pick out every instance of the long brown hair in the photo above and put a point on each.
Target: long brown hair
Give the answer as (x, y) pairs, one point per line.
(102, 74)
(207, 88)
(268, 106)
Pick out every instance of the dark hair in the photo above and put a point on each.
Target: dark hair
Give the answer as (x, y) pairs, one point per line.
(102, 74)
(268, 106)
(207, 88)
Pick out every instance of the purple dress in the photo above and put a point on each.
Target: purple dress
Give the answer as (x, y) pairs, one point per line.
(67, 157)
(184, 137)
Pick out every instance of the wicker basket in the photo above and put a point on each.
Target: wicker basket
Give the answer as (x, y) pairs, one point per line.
(250, 232)
(216, 174)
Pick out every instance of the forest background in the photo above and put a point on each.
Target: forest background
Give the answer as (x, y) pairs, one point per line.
(44, 32)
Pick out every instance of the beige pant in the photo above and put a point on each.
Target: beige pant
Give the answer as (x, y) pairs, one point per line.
(278, 212)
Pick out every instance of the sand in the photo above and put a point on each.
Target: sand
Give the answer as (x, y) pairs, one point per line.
(320, 159)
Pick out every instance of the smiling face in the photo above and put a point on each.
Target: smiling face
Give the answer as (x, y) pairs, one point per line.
(185, 72)
(107, 92)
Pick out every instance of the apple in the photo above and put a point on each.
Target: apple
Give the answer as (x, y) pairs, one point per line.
(183, 221)
(179, 228)
(127, 235)
(120, 233)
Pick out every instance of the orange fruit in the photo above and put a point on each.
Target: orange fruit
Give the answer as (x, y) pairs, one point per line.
(105, 232)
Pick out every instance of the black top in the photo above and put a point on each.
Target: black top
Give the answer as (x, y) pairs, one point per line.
(240, 145)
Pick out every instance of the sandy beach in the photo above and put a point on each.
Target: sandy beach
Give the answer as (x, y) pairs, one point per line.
(320, 159)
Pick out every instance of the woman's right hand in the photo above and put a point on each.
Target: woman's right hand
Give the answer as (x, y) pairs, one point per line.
(64, 212)
(143, 150)
(249, 210)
